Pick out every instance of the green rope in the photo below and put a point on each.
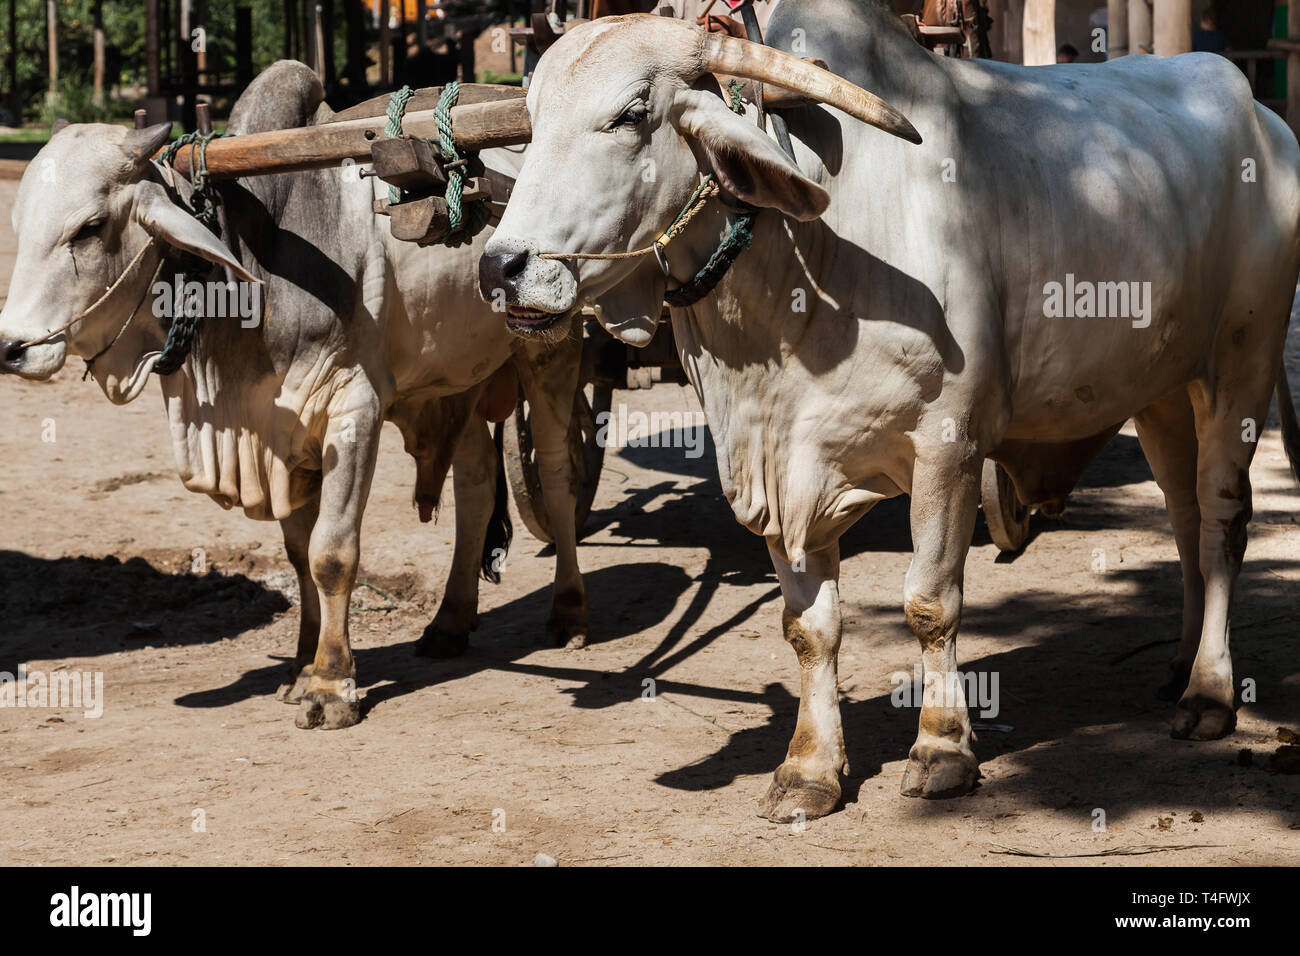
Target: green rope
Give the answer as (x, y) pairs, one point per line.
(450, 156)
(734, 99)
(739, 234)
(203, 200)
(462, 224)
(396, 110)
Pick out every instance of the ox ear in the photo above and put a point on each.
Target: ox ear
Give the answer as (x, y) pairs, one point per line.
(747, 163)
(165, 220)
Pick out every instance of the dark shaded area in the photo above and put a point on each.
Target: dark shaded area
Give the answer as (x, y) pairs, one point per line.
(90, 606)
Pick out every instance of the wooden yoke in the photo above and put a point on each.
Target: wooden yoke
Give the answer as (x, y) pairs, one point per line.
(486, 116)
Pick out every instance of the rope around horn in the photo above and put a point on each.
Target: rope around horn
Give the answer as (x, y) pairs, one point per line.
(185, 327)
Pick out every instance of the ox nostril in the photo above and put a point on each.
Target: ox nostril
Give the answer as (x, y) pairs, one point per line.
(501, 271)
(512, 264)
(11, 354)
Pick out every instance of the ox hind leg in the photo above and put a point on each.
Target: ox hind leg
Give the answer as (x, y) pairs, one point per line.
(807, 784)
(945, 497)
(550, 378)
(1228, 419)
(297, 536)
(476, 483)
(333, 552)
(1167, 431)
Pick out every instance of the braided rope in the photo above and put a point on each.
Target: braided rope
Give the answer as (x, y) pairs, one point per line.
(734, 99)
(454, 164)
(463, 224)
(396, 110)
(184, 328)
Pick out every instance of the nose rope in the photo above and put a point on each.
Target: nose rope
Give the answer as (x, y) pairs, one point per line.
(737, 239)
(706, 190)
(130, 269)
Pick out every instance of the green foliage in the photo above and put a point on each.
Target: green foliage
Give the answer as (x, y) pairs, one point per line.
(124, 40)
(74, 101)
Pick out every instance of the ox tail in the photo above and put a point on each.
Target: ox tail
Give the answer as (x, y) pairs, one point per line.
(1290, 427)
(500, 532)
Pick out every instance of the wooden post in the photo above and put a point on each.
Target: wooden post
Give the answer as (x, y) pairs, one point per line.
(1293, 66)
(11, 64)
(318, 41)
(421, 24)
(385, 46)
(52, 38)
(355, 15)
(97, 90)
(308, 34)
(141, 119)
(186, 61)
(1139, 26)
(1013, 39)
(1116, 29)
(243, 46)
(154, 102)
(288, 29)
(198, 20)
(1040, 32)
(1172, 27)
(327, 20)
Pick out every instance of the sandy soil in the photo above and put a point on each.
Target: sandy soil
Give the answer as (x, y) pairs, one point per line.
(557, 748)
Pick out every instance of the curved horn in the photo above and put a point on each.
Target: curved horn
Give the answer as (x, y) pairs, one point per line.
(720, 53)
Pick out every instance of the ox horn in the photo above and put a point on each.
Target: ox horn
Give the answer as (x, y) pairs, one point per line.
(720, 53)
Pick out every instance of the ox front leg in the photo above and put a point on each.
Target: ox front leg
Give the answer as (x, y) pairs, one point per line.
(297, 542)
(550, 381)
(807, 784)
(349, 448)
(945, 495)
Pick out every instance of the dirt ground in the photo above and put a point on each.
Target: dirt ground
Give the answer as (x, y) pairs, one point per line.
(518, 749)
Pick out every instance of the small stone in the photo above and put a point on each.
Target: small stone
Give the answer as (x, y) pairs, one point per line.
(544, 859)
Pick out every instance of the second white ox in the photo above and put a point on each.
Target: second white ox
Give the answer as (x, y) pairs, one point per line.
(283, 419)
(904, 322)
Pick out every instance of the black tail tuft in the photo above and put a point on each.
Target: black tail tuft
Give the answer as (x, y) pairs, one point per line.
(499, 532)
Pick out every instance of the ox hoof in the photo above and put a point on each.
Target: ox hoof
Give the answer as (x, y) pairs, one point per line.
(1176, 682)
(292, 690)
(796, 797)
(569, 636)
(1201, 718)
(326, 711)
(439, 643)
(939, 771)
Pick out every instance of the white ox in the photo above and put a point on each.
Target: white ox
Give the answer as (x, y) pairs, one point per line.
(283, 419)
(896, 329)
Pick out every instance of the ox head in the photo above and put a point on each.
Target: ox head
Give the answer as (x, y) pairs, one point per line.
(87, 205)
(626, 117)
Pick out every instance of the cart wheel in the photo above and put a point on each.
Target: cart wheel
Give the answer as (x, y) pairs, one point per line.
(587, 456)
(1006, 517)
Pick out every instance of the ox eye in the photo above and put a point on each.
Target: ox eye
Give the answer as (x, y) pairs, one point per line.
(88, 230)
(634, 115)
